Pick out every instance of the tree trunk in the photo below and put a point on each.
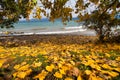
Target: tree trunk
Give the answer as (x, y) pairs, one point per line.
(101, 38)
(101, 34)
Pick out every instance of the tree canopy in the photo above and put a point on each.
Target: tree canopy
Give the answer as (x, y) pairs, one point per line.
(13, 10)
(101, 17)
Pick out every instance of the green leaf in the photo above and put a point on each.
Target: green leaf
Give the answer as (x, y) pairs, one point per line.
(34, 0)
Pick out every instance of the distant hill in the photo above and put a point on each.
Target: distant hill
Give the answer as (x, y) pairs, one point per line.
(44, 19)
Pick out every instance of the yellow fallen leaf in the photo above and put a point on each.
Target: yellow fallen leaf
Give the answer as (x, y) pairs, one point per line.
(16, 67)
(59, 65)
(2, 62)
(92, 77)
(88, 72)
(28, 71)
(37, 64)
(25, 67)
(50, 68)
(111, 73)
(68, 78)
(65, 68)
(21, 75)
(58, 75)
(41, 76)
(117, 69)
(99, 78)
(43, 52)
(62, 71)
(33, 55)
(106, 66)
(2, 49)
(72, 62)
(79, 78)
(23, 63)
(89, 62)
(107, 55)
(118, 59)
(95, 66)
(15, 74)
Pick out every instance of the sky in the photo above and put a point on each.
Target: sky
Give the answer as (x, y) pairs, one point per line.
(70, 3)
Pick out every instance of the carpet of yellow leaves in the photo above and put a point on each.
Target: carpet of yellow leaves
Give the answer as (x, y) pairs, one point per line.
(47, 61)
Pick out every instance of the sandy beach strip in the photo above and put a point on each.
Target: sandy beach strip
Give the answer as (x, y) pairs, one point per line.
(53, 38)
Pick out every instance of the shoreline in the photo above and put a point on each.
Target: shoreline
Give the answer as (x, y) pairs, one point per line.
(28, 40)
(79, 37)
(84, 32)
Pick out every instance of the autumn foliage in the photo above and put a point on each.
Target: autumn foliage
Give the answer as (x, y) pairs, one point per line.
(48, 61)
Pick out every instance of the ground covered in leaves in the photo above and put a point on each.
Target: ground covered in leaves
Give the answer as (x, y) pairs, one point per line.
(52, 60)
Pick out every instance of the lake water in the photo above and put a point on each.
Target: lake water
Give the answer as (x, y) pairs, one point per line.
(43, 26)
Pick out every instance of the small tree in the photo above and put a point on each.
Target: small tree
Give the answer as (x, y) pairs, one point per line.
(102, 18)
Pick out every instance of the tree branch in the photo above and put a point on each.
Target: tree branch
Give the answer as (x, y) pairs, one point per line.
(107, 8)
